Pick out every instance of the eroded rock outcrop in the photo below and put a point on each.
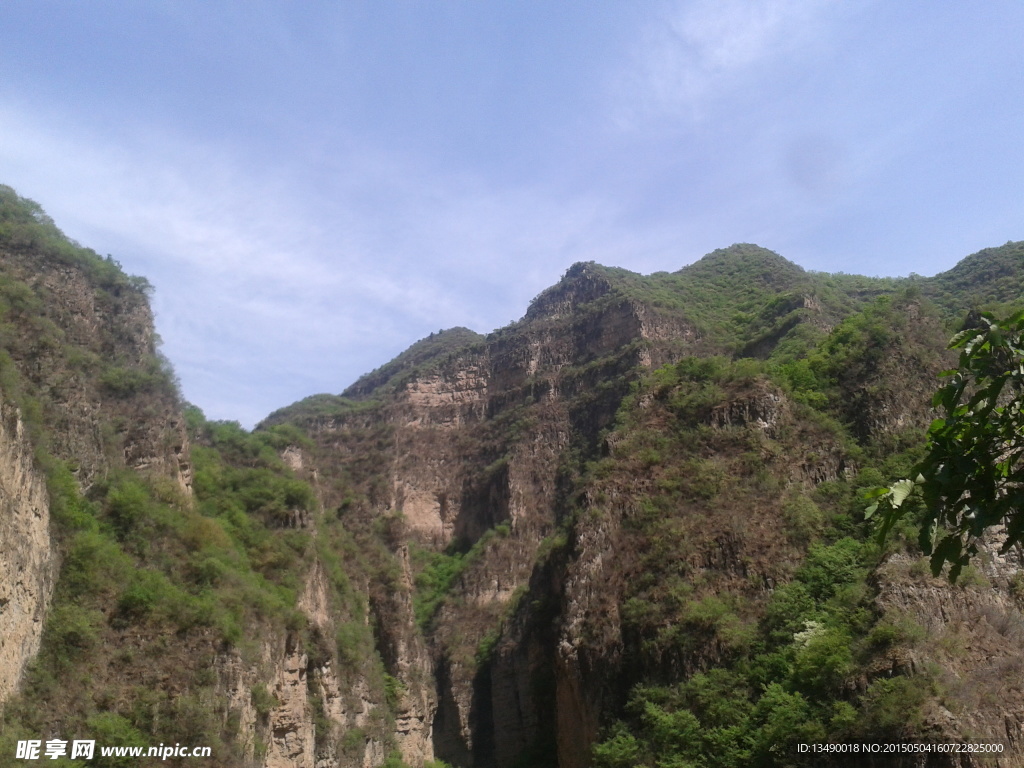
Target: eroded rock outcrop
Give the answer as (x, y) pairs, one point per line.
(85, 345)
(501, 458)
(972, 632)
(28, 561)
(291, 709)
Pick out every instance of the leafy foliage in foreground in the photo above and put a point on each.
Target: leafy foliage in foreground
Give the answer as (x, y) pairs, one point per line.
(972, 475)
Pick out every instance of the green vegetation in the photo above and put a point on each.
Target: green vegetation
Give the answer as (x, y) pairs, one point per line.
(970, 478)
(784, 685)
(740, 605)
(422, 358)
(320, 407)
(745, 299)
(437, 572)
(152, 582)
(140, 562)
(721, 675)
(262, 700)
(24, 226)
(127, 381)
(239, 476)
(146, 573)
(987, 280)
(137, 565)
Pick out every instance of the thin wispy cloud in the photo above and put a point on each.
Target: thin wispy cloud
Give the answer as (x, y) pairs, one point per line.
(691, 52)
(239, 264)
(312, 187)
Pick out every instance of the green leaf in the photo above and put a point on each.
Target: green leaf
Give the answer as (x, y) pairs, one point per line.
(874, 493)
(949, 550)
(901, 489)
(960, 338)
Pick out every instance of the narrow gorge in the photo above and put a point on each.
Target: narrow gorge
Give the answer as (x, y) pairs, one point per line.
(625, 528)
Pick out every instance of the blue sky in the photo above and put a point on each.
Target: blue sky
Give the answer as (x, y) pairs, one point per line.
(313, 186)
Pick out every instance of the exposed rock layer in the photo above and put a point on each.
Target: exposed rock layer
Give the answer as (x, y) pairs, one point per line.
(28, 562)
(477, 449)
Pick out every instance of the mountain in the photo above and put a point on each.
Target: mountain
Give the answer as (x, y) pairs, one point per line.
(623, 530)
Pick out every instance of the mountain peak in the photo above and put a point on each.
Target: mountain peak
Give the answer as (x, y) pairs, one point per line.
(747, 261)
(427, 349)
(990, 276)
(583, 282)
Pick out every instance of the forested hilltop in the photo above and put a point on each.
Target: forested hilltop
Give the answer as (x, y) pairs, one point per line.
(625, 530)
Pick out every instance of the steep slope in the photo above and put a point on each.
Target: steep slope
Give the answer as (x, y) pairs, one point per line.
(470, 441)
(77, 370)
(478, 457)
(29, 567)
(742, 608)
(625, 529)
(172, 582)
(988, 278)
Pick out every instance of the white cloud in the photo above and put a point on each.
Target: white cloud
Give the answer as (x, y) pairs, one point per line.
(260, 272)
(692, 51)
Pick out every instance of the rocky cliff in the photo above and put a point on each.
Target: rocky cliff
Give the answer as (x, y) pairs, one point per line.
(79, 334)
(80, 387)
(625, 528)
(476, 437)
(162, 622)
(534, 643)
(28, 568)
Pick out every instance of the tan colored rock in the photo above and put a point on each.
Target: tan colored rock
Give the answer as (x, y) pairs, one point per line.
(28, 564)
(292, 733)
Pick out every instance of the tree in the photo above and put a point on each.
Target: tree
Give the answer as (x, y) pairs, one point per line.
(972, 476)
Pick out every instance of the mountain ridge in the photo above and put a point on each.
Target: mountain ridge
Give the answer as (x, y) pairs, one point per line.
(623, 529)
(988, 274)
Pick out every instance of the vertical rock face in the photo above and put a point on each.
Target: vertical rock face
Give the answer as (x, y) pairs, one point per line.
(406, 658)
(470, 439)
(471, 447)
(79, 360)
(973, 633)
(293, 708)
(292, 734)
(522, 686)
(27, 561)
(87, 351)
